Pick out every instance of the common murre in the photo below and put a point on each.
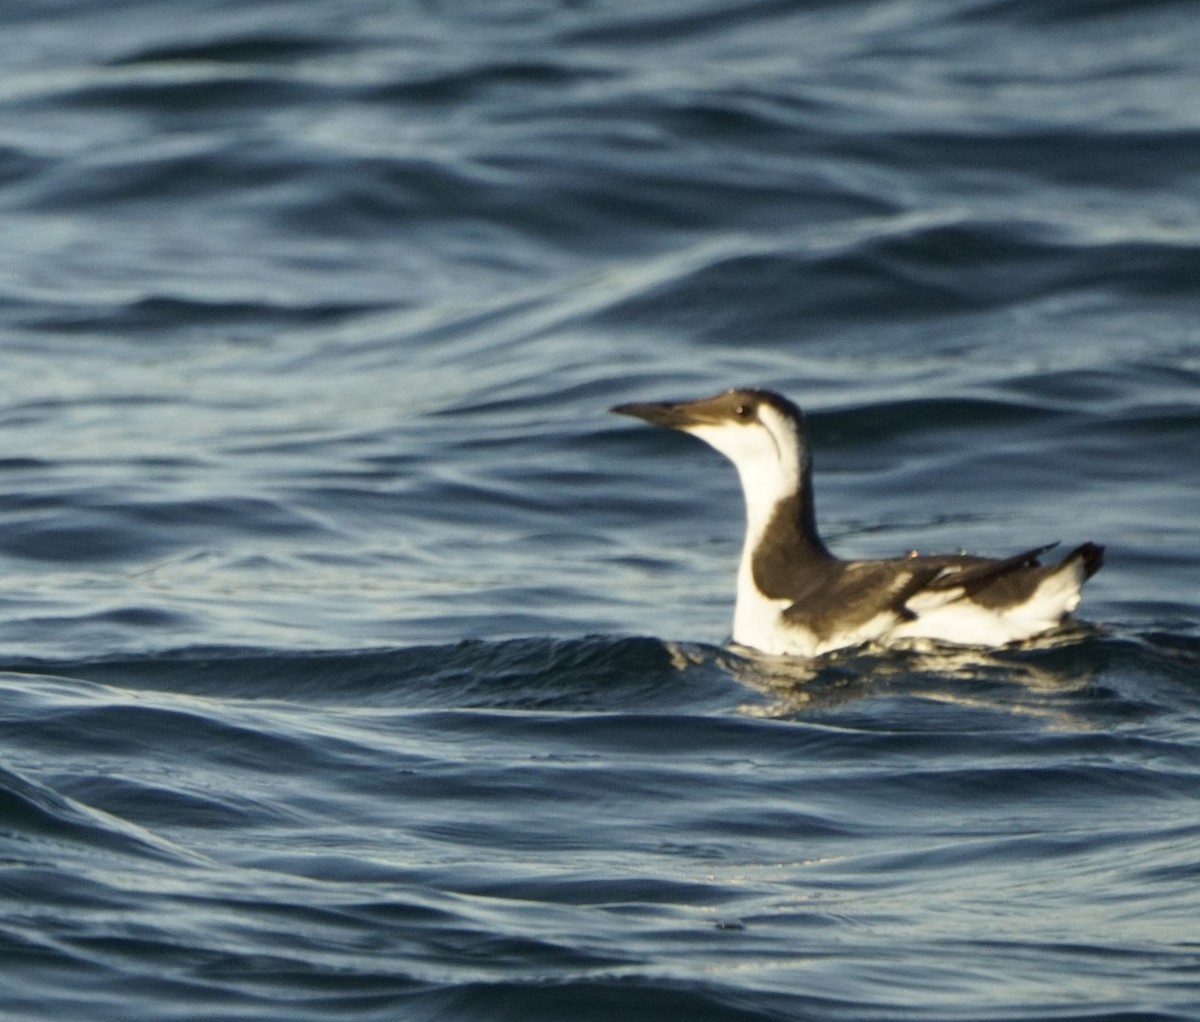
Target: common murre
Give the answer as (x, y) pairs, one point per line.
(794, 597)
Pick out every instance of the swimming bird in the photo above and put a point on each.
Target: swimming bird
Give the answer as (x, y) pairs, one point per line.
(795, 597)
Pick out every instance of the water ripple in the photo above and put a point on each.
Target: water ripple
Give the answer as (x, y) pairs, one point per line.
(357, 663)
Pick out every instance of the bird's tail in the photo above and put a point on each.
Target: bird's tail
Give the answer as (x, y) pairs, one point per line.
(1090, 557)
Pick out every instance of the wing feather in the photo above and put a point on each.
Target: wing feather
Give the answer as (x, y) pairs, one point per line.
(877, 595)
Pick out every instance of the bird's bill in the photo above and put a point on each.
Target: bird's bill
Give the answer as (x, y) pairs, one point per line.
(709, 411)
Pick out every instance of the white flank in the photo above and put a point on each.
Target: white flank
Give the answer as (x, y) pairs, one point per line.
(967, 623)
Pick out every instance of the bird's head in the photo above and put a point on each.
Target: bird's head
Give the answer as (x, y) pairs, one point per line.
(760, 431)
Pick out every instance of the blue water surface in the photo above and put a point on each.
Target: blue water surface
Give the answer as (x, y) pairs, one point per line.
(355, 663)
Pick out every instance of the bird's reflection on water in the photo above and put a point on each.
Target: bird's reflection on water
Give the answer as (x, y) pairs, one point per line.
(1027, 679)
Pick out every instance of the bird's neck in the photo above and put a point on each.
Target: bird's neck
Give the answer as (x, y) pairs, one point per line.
(783, 549)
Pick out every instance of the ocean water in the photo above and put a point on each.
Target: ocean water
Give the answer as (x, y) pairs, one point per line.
(356, 664)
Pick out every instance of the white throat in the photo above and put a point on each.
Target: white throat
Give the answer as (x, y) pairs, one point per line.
(770, 459)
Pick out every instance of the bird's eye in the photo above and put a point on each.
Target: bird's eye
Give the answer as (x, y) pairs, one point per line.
(744, 411)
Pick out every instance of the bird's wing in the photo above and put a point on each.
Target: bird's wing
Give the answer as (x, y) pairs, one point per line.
(862, 595)
(868, 598)
(974, 573)
(988, 582)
